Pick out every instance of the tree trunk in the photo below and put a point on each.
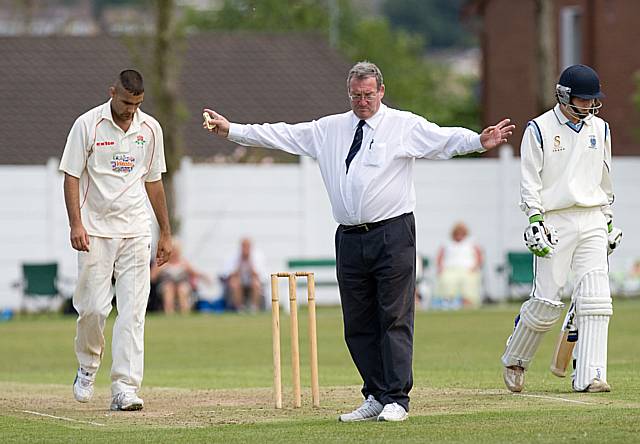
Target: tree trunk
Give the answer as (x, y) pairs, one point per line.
(165, 68)
(545, 54)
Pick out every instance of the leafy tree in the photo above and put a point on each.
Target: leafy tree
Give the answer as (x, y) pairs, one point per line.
(438, 21)
(412, 82)
(262, 15)
(160, 55)
(170, 109)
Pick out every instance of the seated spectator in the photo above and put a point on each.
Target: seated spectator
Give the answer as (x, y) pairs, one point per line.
(176, 281)
(459, 263)
(631, 284)
(243, 277)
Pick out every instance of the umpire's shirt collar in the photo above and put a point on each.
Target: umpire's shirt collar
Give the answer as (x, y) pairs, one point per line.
(372, 121)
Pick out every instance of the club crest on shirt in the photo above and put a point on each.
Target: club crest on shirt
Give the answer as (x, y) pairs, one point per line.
(123, 163)
(556, 144)
(140, 141)
(592, 142)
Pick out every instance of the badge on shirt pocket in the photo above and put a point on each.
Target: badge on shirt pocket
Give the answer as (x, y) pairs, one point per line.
(123, 162)
(375, 154)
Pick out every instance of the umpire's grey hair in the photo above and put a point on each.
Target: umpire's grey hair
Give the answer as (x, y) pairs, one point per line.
(363, 70)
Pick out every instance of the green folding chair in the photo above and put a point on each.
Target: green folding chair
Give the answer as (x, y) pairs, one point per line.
(520, 273)
(40, 287)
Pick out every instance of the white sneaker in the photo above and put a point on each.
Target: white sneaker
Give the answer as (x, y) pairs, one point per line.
(393, 412)
(83, 385)
(597, 386)
(514, 378)
(368, 411)
(126, 401)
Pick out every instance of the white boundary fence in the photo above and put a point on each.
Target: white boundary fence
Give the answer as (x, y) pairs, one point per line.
(285, 210)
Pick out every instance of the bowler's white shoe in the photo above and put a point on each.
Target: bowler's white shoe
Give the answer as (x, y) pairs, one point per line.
(83, 385)
(368, 411)
(514, 378)
(393, 412)
(126, 401)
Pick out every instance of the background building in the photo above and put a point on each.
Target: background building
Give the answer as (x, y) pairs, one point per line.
(599, 33)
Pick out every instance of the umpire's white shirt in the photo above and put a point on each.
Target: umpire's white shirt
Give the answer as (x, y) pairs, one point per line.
(564, 165)
(379, 184)
(112, 166)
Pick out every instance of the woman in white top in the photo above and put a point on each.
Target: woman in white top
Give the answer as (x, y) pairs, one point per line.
(458, 267)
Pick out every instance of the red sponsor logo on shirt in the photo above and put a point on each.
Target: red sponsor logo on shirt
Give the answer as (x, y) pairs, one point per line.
(105, 143)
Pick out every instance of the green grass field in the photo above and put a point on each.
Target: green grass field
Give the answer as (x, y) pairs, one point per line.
(208, 379)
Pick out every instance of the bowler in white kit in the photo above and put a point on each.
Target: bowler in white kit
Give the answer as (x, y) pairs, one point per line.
(113, 162)
(566, 193)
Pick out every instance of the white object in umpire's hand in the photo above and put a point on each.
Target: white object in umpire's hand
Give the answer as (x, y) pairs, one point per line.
(208, 121)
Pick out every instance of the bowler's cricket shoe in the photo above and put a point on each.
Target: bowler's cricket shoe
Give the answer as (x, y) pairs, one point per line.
(126, 401)
(393, 412)
(83, 385)
(514, 378)
(368, 411)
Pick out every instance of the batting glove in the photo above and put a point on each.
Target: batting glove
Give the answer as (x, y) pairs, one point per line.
(540, 237)
(614, 237)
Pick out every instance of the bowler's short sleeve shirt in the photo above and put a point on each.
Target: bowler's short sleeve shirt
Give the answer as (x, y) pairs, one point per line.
(112, 167)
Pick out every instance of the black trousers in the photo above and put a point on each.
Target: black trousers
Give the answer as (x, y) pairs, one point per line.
(376, 274)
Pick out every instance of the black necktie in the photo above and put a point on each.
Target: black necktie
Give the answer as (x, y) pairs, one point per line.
(355, 145)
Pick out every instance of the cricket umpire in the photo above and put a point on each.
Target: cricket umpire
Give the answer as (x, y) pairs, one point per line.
(366, 157)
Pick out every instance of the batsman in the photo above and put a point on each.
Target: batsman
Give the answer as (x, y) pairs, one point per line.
(566, 193)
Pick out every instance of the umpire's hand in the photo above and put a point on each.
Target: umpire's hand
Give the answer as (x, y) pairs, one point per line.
(217, 125)
(495, 135)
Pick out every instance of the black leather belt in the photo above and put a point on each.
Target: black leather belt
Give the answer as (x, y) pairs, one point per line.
(363, 228)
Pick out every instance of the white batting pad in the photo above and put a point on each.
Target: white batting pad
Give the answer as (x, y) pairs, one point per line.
(537, 316)
(593, 310)
(593, 296)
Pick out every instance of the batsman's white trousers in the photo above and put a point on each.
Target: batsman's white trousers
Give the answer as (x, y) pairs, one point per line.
(128, 261)
(582, 247)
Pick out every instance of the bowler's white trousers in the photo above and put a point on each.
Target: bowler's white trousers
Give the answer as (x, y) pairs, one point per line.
(128, 261)
(582, 248)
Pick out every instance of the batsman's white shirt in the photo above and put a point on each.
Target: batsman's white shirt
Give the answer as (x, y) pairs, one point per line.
(566, 175)
(564, 165)
(112, 166)
(379, 184)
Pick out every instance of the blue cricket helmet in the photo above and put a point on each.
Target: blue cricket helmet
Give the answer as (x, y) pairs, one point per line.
(581, 81)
